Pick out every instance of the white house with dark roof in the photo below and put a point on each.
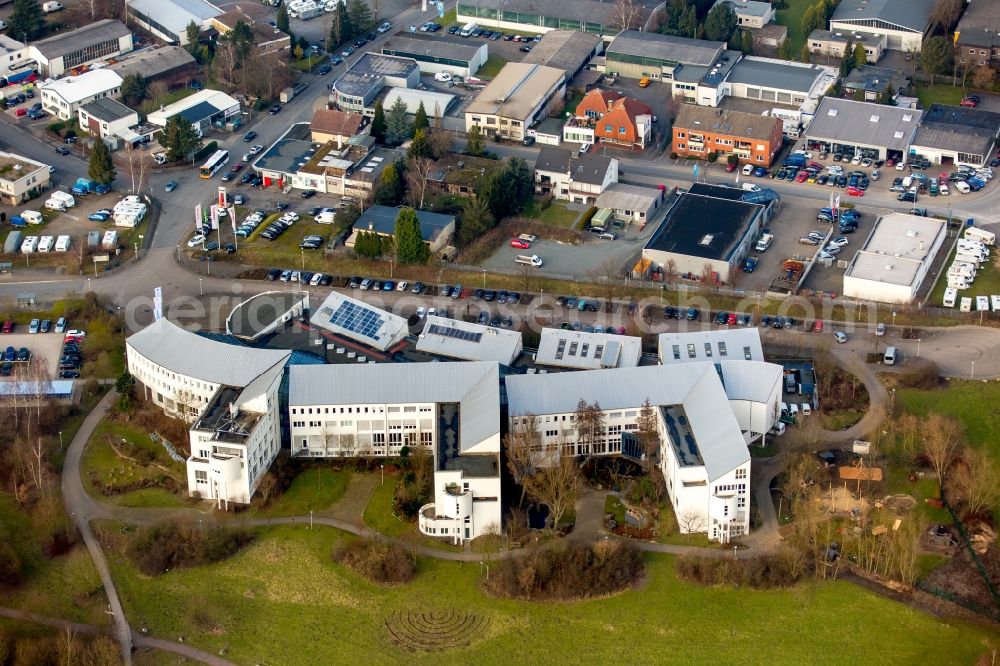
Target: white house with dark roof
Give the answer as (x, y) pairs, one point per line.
(62, 97)
(448, 410)
(107, 119)
(575, 178)
(903, 22)
(228, 392)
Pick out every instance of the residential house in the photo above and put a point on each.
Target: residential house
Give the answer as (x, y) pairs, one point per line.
(460, 174)
(977, 36)
(574, 178)
(869, 83)
(266, 39)
(330, 125)
(750, 13)
(609, 117)
(62, 97)
(21, 178)
(753, 138)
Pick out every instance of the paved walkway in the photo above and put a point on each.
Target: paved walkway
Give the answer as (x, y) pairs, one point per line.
(351, 507)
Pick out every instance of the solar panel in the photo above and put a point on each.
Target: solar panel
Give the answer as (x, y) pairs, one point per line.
(458, 334)
(356, 319)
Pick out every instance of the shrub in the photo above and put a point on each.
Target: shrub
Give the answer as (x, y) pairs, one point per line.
(206, 150)
(673, 155)
(587, 217)
(545, 201)
(732, 159)
(564, 571)
(10, 565)
(781, 569)
(378, 561)
(927, 376)
(175, 544)
(712, 157)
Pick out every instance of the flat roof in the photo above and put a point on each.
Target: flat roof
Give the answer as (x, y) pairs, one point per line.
(665, 47)
(864, 123)
(220, 419)
(153, 62)
(436, 103)
(290, 152)
(628, 197)
(517, 90)
(713, 346)
(583, 350)
(955, 138)
(72, 89)
(216, 98)
(912, 15)
(704, 226)
(590, 11)
(367, 75)
(469, 341)
(88, 35)
(462, 169)
(768, 73)
(175, 15)
(875, 79)
(897, 247)
(383, 220)
(108, 110)
(568, 50)
(357, 320)
(747, 7)
(261, 311)
(723, 121)
(427, 45)
(845, 37)
(11, 164)
(963, 116)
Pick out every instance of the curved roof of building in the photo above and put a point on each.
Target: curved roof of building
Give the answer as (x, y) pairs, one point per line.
(187, 353)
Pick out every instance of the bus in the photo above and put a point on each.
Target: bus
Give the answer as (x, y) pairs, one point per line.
(214, 163)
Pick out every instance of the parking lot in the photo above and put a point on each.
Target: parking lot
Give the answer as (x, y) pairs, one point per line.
(44, 347)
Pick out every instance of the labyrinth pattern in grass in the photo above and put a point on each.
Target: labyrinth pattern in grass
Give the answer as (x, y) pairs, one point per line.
(431, 631)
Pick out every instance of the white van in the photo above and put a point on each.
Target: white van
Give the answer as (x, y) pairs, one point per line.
(468, 29)
(907, 182)
(965, 305)
(890, 356)
(50, 7)
(981, 235)
(962, 186)
(46, 243)
(950, 295)
(443, 77)
(32, 216)
(750, 187)
(326, 217)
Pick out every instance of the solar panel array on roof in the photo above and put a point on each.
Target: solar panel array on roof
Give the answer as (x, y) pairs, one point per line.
(457, 333)
(356, 319)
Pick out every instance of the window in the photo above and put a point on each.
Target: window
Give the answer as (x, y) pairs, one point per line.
(677, 352)
(708, 349)
(607, 128)
(741, 473)
(691, 352)
(621, 130)
(680, 135)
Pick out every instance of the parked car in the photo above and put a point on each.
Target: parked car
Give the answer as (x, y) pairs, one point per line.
(840, 336)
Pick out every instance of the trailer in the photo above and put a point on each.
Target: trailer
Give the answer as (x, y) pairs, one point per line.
(286, 95)
(981, 235)
(29, 244)
(46, 243)
(93, 239)
(110, 239)
(83, 186)
(62, 243)
(13, 242)
(27, 76)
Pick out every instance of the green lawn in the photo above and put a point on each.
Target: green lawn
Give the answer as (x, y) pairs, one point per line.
(987, 282)
(314, 489)
(898, 482)
(556, 214)
(840, 419)
(791, 18)
(284, 601)
(940, 93)
(492, 67)
(381, 517)
(101, 460)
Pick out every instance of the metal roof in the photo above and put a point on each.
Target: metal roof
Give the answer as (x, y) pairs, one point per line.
(768, 73)
(568, 50)
(628, 197)
(262, 311)
(590, 11)
(864, 123)
(579, 349)
(359, 321)
(911, 15)
(72, 89)
(729, 344)
(49, 388)
(516, 91)
(154, 62)
(175, 15)
(218, 101)
(383, 220)
(75, 40)
(704, 226)
(665, 47)
(747, 7)
(469, 341)
(424, 45)
(753, 381)
(723, 121)
(475, 386)
(955, 138)
(696, 386)
(436, 103)
(108, 110)
(963, 116)
(897, 247)
(186, 353)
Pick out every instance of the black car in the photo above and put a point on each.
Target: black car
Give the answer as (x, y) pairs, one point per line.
(419, 288)
(489, 295)
(337, 60)
(668, 312)
(528, 141)
(275, 108)
(307, 194)
(250, 136)
(281, 205)
(69, 374)
(484, 317)
(326, 280)
(324, 70)
(247, 177)
(910, 197)
(273, 274)
(62, 150)
(230, 248)
(477, 294)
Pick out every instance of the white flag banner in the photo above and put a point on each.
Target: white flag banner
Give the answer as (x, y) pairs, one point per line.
(198, 223)
(214, 213)
(836, 204)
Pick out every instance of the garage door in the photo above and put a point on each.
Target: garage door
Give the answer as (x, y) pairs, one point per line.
(753, 93)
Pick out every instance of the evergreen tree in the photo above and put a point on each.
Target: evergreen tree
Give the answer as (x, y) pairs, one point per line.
(474, 144)
(410, 246)
(26, 20)
(101, 169)
(419, 147)
(420, 121)
(476, 220)
(887, 96)
(341, 28)
(397, 128)
(361, 15)
(860, 57)
(378, 123)
(936, 56)
(179, 139)
(241, 37)
(785, 50)
(193, 33)
(134, 88)
(521, 183)
(746, 43)
(721, 23)
(391, 187)
(847, 60)
(282, 20)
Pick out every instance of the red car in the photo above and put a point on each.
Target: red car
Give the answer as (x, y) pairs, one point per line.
(802, 177)
(972, 101)
(815, 165)
(236, 167)
(855, 192)
(21, 112)
(732, 319)
(730, 168)
(8, 327)
(520, 244)
(818, 326)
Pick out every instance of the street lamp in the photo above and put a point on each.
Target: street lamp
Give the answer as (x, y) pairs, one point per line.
(484, 278)
(382, 470)
(894, 319)
(60, 441)
(918, 347)
(310, 520)
(201, 287)
(972, 373)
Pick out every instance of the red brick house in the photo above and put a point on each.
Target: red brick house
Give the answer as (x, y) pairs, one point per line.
(701, 130)
(611, 118)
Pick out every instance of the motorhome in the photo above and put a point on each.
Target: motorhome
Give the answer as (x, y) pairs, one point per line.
(981, 235)
(966, 304)
(982, 304)
(29, 244)
(950, 295)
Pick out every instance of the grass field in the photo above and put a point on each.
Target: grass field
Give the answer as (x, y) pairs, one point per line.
(284, 601)
(491, 67)
(314, 489)
(381, 517)
(100, 459)
(791, 18)
(940, 93)
(556, 214)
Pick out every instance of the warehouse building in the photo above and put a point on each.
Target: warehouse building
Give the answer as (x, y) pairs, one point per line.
(436, 103)
(202, 109)
(469, 341)
(874, 130)
(518, 96)
(706, 236)
(895, 259)
(952, 135)
(97, 41)
(439, 53)
(357, 88)
(566, 348)
(834, 44)
(903, 24)
(152, 64)
(169, 19)
(779, 81)
(589, 16)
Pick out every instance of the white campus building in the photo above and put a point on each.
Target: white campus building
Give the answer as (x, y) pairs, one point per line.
(449, 410)
(230, 394)
(706, 414)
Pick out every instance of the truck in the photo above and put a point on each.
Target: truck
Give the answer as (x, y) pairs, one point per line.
(83, 186)
(532, 260)
(750, 264)
(286, 95)
(764, 242)
(795, 161)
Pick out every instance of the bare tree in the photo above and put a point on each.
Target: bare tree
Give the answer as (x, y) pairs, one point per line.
(522, 445)
(92, 7)
(439, 141)
(589, 427)
(156, 91)
(225, 61)
(417, 171)
(184, 401)
(626, 14)
(691, 521)
(946, 13)
(670, 271)
(348, 445)
(557, 487)
(139, 163)
(268, 484)
(942, 437)
(976, 481)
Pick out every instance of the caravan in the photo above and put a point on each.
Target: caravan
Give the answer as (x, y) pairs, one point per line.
(950, 295)
(982, 304)
(966, 304)
(981, 235)
(46, 243)
(62, 243)
(32, 216)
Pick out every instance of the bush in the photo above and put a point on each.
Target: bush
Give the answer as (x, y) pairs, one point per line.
(712, 157)
(206, 150)
(378, 561)
(545, 201)
(927, 376)
(564, 571)
(732, 159)
(10, 566)
(673, 155)
(587, 217)
(174, 544)
(782, 569)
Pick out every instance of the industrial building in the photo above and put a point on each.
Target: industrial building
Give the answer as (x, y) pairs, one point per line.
(834, 44)
(169, 19)
(202, 109)
(97, 41)
(581, 350)
(152, 64)
(589, 16)
(568, 50)
(439, 53)
(876, 130)
(779, 81)
(356, 320)
(895, 259)
(357, 88)
(518, 96)
(952, 135)
(904, 24)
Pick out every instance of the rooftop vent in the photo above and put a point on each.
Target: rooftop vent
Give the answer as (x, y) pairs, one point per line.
(832, 112)
(706, 240)
(911, 233)
(874, 119)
